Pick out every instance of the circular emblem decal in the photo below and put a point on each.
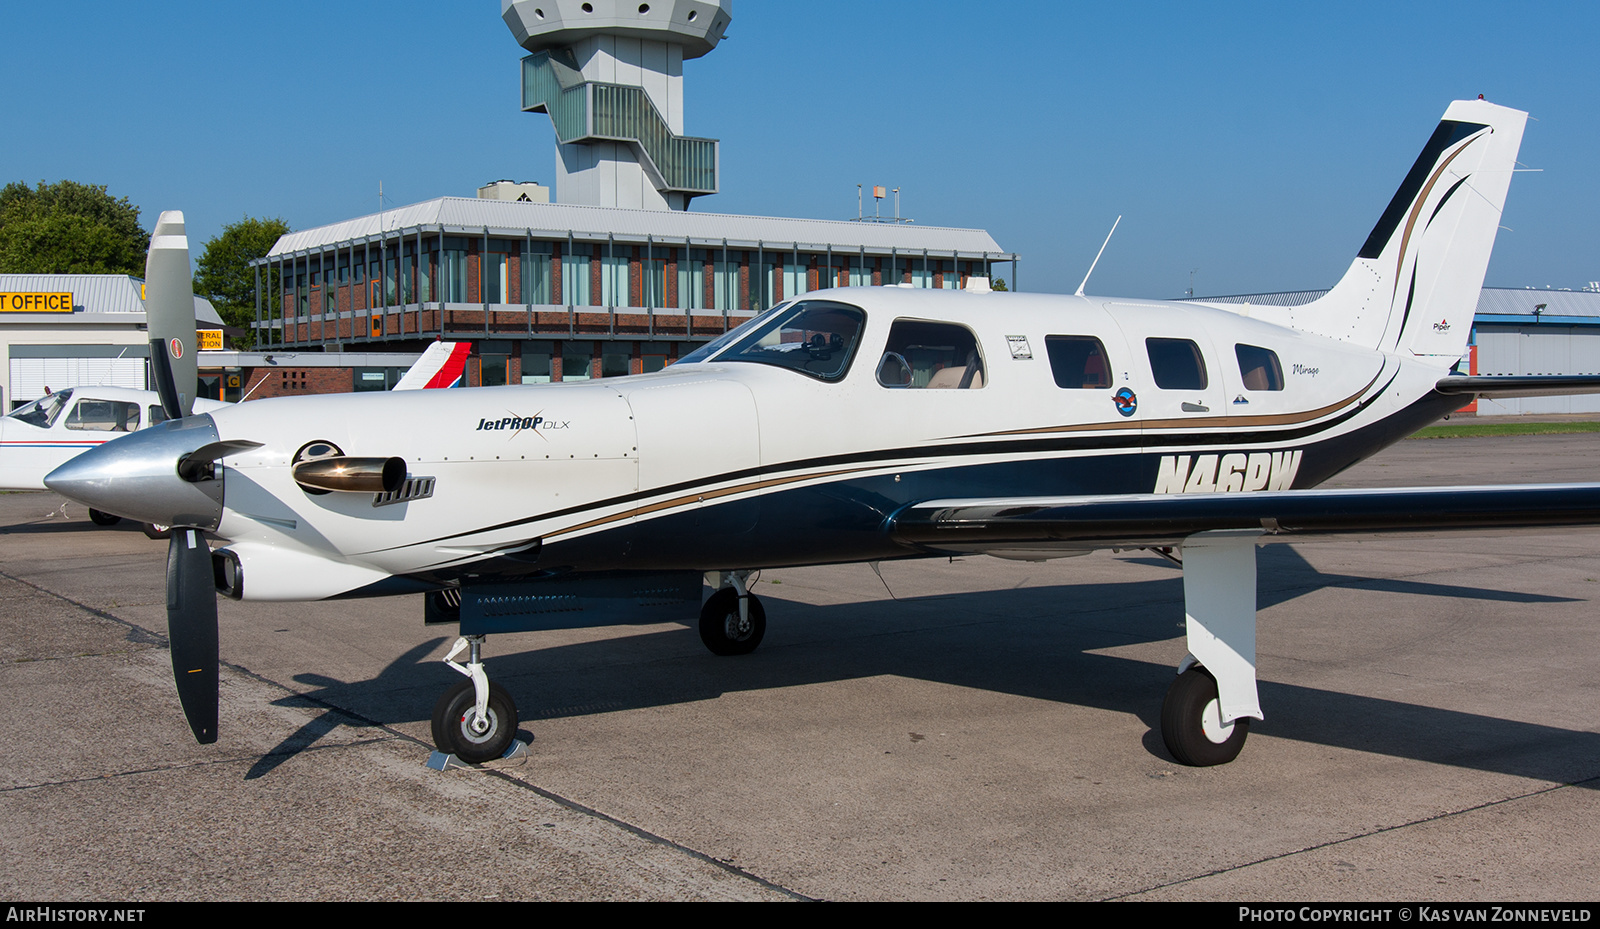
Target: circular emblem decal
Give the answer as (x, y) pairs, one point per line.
(177, 348)
(1126, 402)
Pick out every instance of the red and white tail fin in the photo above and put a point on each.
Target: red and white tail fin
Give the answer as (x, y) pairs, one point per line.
(443, 365)
(1414, 286)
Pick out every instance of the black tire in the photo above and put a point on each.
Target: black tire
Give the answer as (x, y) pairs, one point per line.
(1190, 697)
(157, 532)
(452, 730)
(103, 519)
(719, 624)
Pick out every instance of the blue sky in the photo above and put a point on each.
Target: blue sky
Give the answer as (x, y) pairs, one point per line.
(1255, 142)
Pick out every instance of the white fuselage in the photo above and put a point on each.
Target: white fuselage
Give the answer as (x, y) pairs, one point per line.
(729, 464)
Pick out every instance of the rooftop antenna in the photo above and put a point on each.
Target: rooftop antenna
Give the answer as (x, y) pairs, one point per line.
(1097, 255)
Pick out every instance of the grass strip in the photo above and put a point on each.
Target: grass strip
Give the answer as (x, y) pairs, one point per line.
(1477, 429)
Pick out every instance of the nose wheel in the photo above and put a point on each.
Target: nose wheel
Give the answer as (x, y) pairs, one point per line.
(476, 721)
(732, 622)
(460, 730)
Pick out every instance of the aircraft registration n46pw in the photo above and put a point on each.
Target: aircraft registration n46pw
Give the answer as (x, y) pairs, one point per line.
(860, 424)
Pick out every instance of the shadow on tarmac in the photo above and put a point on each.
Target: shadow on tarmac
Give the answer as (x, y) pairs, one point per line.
(1035, 642)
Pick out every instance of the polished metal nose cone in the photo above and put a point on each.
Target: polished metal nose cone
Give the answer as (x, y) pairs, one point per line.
(138, 476)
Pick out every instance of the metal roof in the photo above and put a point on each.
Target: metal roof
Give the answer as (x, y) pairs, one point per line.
(467, 215)
(96, 293)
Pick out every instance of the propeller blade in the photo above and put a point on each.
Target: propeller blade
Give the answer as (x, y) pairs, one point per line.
(192, 629)
(169, 311)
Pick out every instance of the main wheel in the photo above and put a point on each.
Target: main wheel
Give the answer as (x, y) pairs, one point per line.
(1191, 722)
(103, 519)
(721, 629)
(156, 531)
(458, 731)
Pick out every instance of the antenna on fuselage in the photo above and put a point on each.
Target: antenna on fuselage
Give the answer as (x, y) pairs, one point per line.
(1097, 255)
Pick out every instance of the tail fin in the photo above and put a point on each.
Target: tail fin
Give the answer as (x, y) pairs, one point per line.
(1414, 286)
(442, 365)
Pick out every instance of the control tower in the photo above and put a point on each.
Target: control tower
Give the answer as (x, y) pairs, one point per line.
(610, 75)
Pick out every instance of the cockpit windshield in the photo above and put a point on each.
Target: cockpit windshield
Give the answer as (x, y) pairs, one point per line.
(814, 337)
(44, 411)
(706, 351)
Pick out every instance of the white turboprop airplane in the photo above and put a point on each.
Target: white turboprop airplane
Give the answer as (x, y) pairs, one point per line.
(858, 425)
(41, 436)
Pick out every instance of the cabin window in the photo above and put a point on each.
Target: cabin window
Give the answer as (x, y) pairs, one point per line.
(1177, 364)
(104, 416)
(1259, 367)
(817, 338)
(931, 355)
(157, 415)
(1078, 362)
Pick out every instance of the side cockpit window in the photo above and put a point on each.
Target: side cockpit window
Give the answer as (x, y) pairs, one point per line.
(104, 416)
(1078, 362)
(1259, 367)
(1177, 364)
(929, 355)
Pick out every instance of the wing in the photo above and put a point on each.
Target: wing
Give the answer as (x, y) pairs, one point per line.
(1041, 526)
(1537, 385)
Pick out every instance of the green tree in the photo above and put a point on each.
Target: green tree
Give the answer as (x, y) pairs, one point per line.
(69, 228)
(224, 273)
(998, 283)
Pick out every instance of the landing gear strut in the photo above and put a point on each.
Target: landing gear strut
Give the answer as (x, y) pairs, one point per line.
(733, 621)
(475, 720)
(1206, 715)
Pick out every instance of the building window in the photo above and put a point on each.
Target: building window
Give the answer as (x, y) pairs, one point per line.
(727, 282)
(536, 274)
(654, 284)
(495, 269)
(575, 276)
(453, 276)
(576, 360)
(692, 279)
(493, 370)
(614, 360)
(614, 279)
(536, 362)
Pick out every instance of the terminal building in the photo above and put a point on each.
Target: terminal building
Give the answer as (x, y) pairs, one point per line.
(616, 276)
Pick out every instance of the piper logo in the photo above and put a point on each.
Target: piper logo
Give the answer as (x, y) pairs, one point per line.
(1232, 473)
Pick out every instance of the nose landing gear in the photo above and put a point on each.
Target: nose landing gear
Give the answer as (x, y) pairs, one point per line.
(474, 721)
(733, 621)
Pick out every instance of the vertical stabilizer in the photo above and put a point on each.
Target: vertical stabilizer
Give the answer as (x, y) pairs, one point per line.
(1414, 286)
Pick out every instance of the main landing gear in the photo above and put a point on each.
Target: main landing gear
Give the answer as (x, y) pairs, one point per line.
(475, 721)
(1205, 718)
(733, 621)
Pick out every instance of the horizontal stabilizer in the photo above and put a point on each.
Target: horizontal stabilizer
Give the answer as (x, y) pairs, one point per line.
(1532, 385)
(1133, 520)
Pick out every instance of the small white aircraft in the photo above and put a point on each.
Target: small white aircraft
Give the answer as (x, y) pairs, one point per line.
(41, 436)
(857, 425)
